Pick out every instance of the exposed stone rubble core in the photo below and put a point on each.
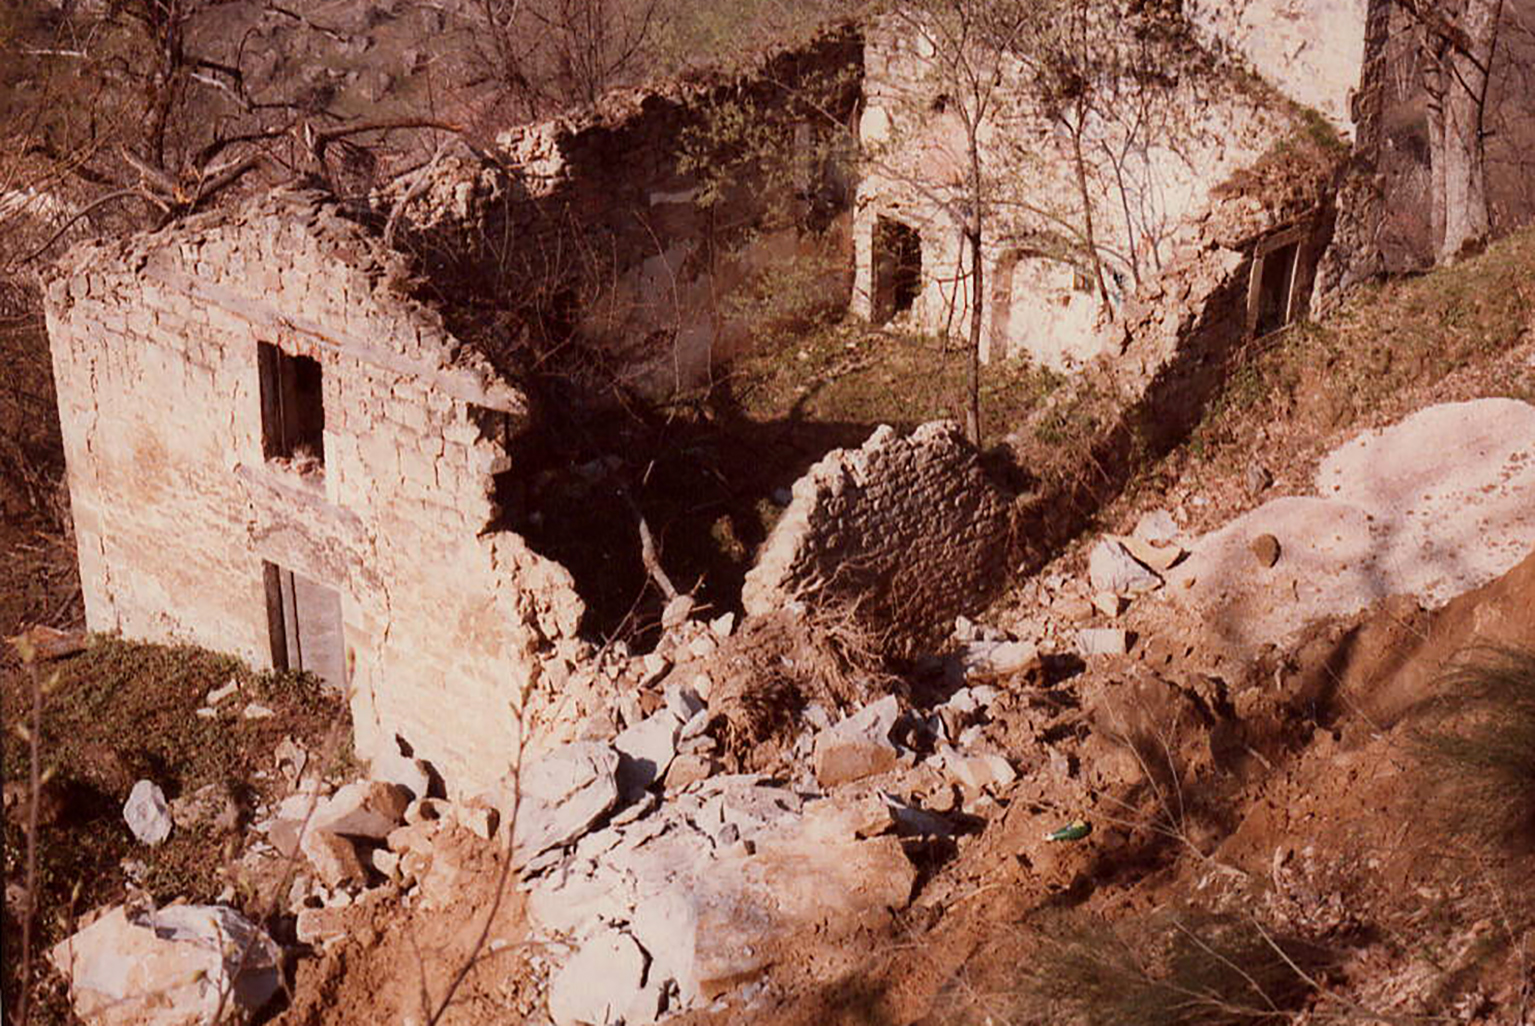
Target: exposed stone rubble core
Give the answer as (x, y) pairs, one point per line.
(902, 533)
(181, 515)
(1433, 506)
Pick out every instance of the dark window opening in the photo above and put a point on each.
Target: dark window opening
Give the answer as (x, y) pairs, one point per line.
(1081, 279)
(897, 269)
(1275, 278)
(304, 625)
(292, 406)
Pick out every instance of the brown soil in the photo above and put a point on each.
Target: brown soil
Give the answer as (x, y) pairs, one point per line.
(460, 961)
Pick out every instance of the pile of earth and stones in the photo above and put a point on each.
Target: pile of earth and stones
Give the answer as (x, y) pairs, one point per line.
(655, 877)
(663, 864)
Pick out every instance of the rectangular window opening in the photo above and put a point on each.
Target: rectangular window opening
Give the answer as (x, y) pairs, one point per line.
(897, 268)
(304, 626)
(292, 408)
(1276, 278)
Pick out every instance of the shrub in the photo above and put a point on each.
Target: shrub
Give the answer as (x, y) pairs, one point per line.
(1477, 748)
(1186, 967)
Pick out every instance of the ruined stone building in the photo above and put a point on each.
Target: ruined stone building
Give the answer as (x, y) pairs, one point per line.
(274, 453)
(1154, 155)
(289, 441)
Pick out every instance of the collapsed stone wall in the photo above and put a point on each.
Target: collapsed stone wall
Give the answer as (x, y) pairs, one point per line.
(179, 512)
(902, 534)
(589, 226)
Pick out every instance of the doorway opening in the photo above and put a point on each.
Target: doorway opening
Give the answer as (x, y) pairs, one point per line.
(304, 625)
(1276, 279)
(897, 269)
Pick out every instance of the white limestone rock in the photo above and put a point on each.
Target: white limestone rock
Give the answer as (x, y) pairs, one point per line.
(603, 983)
(646, 751)
(1103, 641)
(562, 795)
(363, 808)
(147, 813)
(1110, 567)
(859, 746)
(174, 967)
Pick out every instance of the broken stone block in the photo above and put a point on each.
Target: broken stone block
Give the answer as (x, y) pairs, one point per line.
(333, 857)
(179, 966)
(480, 820)
(317, 927)
(683, 702)
(1156, 526)
(1110, 567)
(425, 810)
(857, 747)
(689, 768)
(911, 821)
(712, 929)
(363, 808)
(291, 759)
(654, 664)
(147, 813)
(563, 794)
(217, 695)
(846, 817)
(386, 862)
(977, 773)
(1108, 603)
(1160, 557)
(414, 775)
(998, 658)
(1103, 641)
(284, 836)
(646, 751)
(603, 983)
(1072, 607)
(840, 759)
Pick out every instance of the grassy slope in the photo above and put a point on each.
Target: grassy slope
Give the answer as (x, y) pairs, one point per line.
(112, 715)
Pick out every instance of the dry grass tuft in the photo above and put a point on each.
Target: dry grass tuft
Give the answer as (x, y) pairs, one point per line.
(776, 665)
(1477, 750)
(1186, 967)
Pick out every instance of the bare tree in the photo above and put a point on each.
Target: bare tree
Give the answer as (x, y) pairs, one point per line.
(147, 110)
(547, 55)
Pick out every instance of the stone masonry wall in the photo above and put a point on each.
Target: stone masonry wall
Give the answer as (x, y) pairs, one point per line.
(588, 222)
(176, 508)
(905, 533)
